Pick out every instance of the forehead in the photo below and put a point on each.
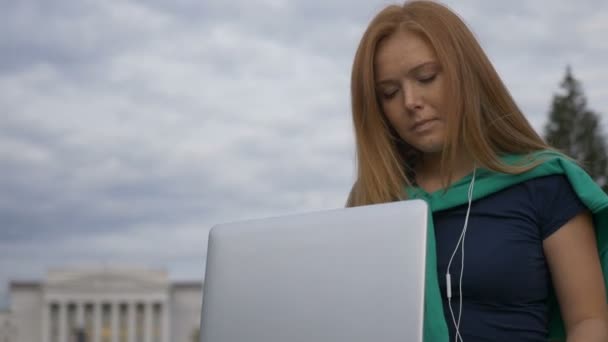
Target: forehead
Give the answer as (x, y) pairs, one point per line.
(400, 52)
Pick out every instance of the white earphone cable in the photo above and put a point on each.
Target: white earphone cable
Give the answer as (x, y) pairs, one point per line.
(460, 244)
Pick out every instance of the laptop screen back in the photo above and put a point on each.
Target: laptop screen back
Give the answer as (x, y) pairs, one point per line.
(343, 275)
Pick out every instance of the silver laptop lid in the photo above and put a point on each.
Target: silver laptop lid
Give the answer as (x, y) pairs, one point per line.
(343, 275)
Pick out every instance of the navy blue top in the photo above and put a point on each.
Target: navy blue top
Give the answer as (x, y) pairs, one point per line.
(506, 280)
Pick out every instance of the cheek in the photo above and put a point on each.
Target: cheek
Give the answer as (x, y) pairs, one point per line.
(394, 115)
(394, 121)
(437, 99)
(399, 123)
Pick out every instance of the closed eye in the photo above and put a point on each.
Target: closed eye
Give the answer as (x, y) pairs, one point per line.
(389, 93)
(428, 79)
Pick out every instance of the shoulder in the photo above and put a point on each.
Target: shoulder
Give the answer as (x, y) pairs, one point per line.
(555, 201)
(540, 187)
(549, 201)
(546, 185)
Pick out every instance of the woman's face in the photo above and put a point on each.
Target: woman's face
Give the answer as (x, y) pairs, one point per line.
(410, 87)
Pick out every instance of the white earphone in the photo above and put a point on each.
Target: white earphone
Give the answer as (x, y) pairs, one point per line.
(448, 278)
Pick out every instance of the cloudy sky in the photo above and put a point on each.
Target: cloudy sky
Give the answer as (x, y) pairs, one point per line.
(128, 128)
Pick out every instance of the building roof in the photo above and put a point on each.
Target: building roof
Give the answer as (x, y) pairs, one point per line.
(187, 284)
(25, 285)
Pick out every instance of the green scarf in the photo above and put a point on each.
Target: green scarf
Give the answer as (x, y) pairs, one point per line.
(486, 183)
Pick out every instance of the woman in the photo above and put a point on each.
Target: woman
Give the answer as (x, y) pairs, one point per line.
(433, 120)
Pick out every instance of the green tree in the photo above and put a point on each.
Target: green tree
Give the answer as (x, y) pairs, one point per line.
(195, 336)
(575, 130)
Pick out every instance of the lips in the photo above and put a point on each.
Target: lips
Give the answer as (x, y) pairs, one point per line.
(423, 125)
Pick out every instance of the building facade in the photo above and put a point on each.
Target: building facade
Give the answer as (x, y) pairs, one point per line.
(7, 328)
(104, 305)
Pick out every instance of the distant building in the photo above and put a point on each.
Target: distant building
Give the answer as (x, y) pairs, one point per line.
(102, 305)
(7, 328)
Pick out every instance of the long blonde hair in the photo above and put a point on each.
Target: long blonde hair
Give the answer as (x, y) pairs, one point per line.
(483, 117)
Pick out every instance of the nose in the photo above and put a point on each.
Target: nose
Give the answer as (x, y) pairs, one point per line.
(412, 99)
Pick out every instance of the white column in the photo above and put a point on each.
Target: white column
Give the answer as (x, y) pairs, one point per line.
(63, 323)
(115, 315)
(80, 316)
(148, 321)
(131, 311)
(96, 322)
(46, 321)
(164, 311)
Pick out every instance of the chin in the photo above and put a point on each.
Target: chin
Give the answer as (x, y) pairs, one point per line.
(431, 151)
(429, 148)
(431, 144)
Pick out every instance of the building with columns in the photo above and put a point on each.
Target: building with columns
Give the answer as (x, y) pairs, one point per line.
(104, 305)
(7, 329)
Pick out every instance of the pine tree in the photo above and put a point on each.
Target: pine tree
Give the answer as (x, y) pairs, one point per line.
(575, 130)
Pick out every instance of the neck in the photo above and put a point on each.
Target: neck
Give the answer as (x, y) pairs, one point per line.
(428, 172)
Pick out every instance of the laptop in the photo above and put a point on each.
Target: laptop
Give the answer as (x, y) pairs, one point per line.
(344, 275)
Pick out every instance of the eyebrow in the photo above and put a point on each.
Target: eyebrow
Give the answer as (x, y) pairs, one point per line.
(412, 71)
